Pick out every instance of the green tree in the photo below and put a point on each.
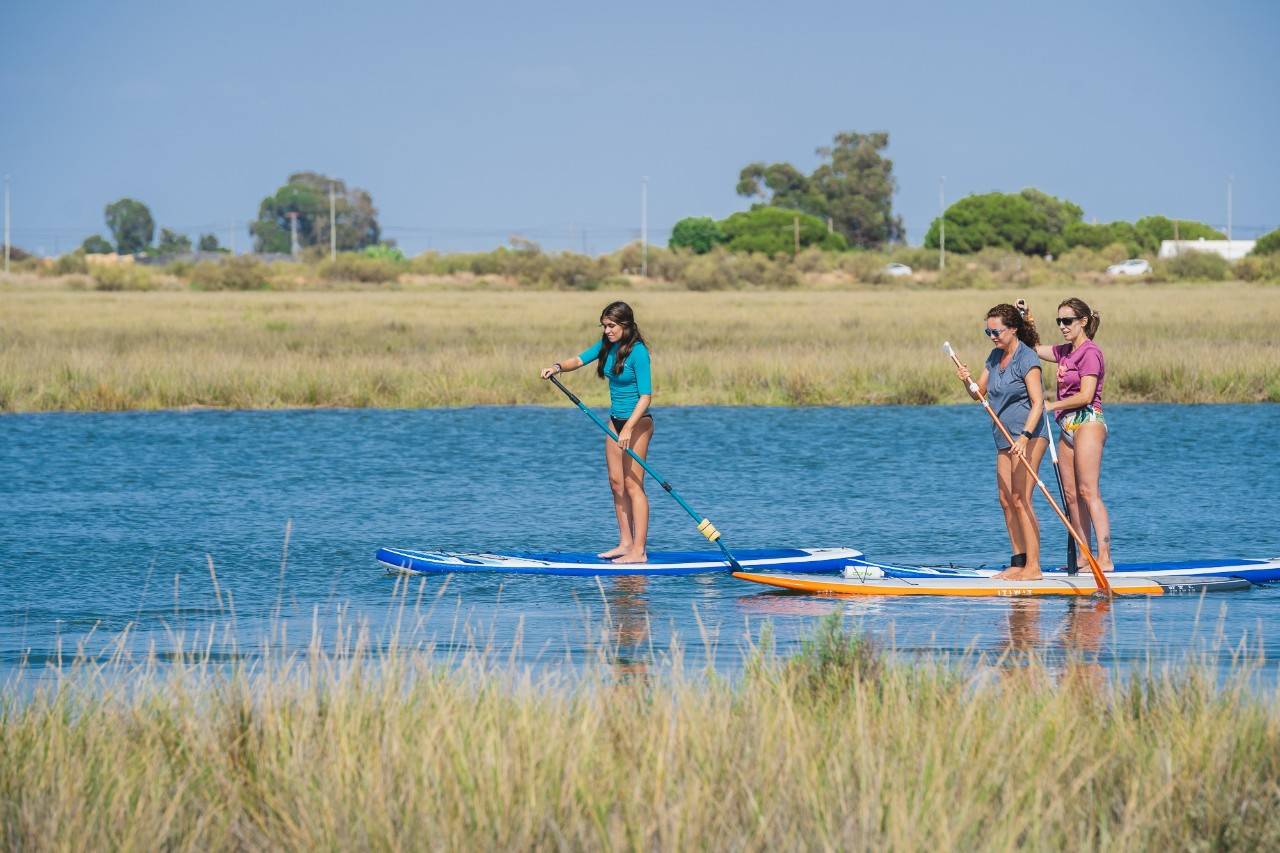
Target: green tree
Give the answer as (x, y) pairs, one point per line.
(1153, 229)
(209, 243)
(172, 243)
(771, 230)
(1030, 222)
(307, 194)
(1098, 237)
(699, 233)
(853, 186)
(96, 245)
(1267, 244)
(131, 224)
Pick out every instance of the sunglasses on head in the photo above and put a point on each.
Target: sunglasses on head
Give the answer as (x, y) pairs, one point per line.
(994, 333)
(1067, 321)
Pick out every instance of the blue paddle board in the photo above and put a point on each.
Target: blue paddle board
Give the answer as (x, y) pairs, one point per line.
(804, 560)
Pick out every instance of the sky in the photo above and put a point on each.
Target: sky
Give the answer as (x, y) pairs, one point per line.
(470, 123)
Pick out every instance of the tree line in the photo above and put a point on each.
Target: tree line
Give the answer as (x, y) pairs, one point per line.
(305, 195)
(847, 203)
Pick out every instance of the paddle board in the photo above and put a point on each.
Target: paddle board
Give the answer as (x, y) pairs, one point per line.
(399, 560)
(1257, 571)
(1081, 584)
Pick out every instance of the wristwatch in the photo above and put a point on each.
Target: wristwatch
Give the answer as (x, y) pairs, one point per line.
(1028, 434)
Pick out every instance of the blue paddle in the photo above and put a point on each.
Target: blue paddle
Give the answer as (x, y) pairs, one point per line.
(705, 527)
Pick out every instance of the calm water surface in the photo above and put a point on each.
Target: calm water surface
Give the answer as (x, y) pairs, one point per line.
(109, 521)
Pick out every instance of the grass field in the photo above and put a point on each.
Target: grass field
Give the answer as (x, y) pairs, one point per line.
(82, 351)
(838, 748)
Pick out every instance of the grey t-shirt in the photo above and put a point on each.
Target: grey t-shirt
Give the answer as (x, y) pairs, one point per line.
(1007, 392)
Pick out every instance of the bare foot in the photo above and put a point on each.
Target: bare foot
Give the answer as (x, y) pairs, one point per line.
(631, 557)
(617, 551)
(1020, 573)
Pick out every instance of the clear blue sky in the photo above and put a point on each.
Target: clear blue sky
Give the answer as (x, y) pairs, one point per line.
(468, 122)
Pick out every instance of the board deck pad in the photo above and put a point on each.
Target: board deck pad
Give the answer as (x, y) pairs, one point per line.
(797, 560)
(1255, 570)
(1081, 584)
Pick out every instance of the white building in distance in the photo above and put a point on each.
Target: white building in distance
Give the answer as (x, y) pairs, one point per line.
(1232, 250)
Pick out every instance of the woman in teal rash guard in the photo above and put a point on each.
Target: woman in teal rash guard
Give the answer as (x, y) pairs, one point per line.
(622, 357)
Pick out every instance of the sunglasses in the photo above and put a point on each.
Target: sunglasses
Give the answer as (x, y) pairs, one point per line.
(1066, 321)
(994, 333)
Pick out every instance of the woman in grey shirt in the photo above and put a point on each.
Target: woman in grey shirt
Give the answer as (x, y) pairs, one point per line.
(1011, 382)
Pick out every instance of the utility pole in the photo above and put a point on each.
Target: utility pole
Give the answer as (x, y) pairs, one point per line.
(231, 238)
(294, 248)
(795, 230)
(6, 224)
(644, 226)
(333, 226)
(942, 223)
(1230, 178)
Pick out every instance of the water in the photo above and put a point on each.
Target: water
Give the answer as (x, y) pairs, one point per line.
(110, 520)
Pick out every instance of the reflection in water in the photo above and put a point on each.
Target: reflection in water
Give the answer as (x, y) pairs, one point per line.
(629, 627)
(1083, 632)
(1079, 641)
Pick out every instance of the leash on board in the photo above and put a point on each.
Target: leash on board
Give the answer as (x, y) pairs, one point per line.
(1098, 576)
(1072, 568)
(705, 527)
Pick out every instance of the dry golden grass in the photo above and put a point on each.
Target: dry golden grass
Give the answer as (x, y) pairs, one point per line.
(64, 350)
(836, 749)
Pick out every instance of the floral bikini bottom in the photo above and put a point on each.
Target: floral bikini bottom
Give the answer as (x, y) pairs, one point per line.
(1072, 421)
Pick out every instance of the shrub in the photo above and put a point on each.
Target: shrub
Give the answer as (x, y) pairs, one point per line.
(697, 233)
(122, 277)
(243, 272)
(771, 231)
(349, 266)
(918, 257)
(72, 263)
(1258, 268)
(1151, 230)
(1267, 244)
(862, 266)
(575, 272)
(1198, 266)
(1030, 222)
(384, 251)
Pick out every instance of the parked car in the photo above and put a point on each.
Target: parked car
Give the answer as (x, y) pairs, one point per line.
(1133, 266)
(896, 270)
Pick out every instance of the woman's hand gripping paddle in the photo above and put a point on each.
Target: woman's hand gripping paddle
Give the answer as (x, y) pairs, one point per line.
(1098, 576)
(705, 527)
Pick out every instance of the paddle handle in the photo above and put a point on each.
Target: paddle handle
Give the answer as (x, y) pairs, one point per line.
(705, 527)
(1096, 569)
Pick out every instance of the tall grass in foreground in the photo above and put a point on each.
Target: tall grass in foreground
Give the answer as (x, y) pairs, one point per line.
(838, 748)
(116, 351)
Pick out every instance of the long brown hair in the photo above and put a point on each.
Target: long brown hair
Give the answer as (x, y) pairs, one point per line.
(1082, 311)
(620, 313)
(1023, 327)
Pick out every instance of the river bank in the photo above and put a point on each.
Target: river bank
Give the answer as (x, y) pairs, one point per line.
(115, 351)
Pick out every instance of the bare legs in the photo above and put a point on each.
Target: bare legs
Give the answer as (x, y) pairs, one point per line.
(1081, 468)
(1014, 484)
(630, 503)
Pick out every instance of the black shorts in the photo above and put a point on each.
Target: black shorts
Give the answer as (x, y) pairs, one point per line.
(619, 423)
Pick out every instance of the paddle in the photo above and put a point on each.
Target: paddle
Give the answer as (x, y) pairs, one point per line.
(1098, 576)
(1072, 568)
(705, 527)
